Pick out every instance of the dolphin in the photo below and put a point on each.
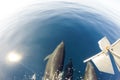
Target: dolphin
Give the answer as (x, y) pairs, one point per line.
(68, 72)
(55, 63)
(90, 72)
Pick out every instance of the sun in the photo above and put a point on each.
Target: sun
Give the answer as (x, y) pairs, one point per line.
(14, 57)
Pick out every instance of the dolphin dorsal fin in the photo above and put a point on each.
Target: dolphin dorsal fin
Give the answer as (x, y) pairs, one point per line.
(47, 57)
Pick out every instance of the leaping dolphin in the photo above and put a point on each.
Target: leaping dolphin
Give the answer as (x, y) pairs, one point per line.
(55, 63)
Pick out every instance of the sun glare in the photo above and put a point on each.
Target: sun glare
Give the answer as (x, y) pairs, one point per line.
(14, 57)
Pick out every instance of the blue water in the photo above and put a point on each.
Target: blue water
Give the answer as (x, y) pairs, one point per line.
(39, 30)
